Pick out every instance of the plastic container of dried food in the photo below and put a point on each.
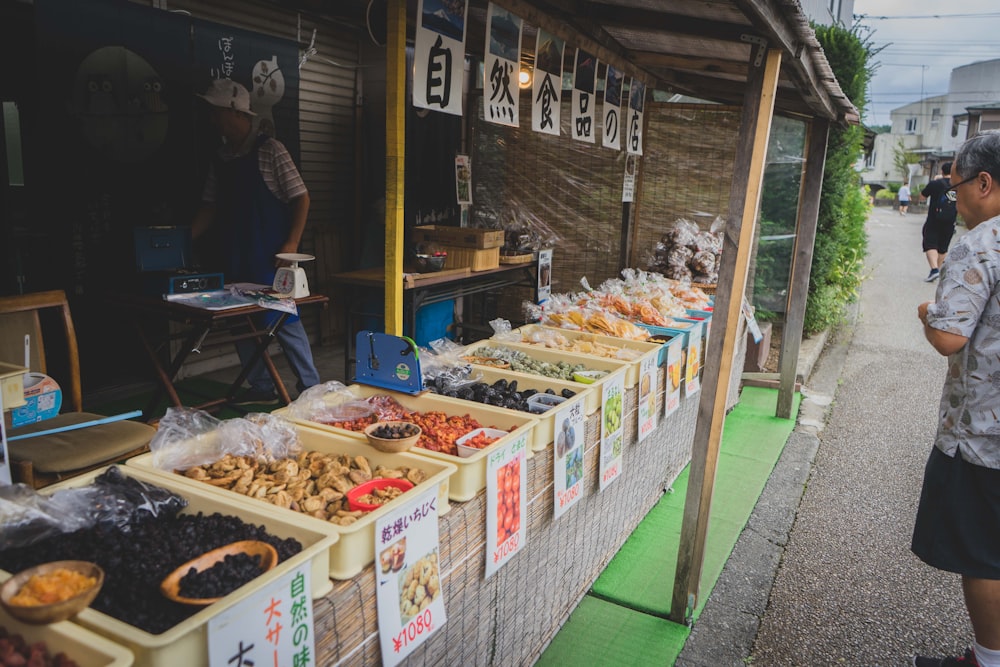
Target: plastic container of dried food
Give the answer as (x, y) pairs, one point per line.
(640, 349)
(186, 642)
(544, 432)
(355, 547)
(470, 476)
(84, 647)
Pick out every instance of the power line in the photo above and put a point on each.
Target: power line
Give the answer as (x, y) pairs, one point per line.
(871, 17)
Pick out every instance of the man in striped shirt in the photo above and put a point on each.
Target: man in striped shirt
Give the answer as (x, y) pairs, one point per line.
(256, 200)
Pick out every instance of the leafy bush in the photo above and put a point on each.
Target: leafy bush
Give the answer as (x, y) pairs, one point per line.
(885, 193)
(841, 242)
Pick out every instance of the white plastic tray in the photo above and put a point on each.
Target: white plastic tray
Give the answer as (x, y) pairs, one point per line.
(84, 647)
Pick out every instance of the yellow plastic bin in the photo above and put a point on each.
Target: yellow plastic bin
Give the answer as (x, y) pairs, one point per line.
(80, 645)
(355, 547)
(186, 642)
(470, 476)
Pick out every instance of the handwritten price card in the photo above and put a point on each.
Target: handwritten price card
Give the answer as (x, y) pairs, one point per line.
(675, 372)
(568, 460)
(4, 457)
(272, 626)
(647, 396)
(506, 503)
(612, 427)
(692, 383)
(408, 577)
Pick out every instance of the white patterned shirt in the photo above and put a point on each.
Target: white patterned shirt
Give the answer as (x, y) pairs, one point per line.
(967, 303)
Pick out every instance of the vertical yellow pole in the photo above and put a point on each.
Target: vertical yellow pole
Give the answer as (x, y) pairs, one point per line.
(395, 155)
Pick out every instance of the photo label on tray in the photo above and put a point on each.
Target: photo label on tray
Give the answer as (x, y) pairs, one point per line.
(647, 397)
(506, 503)
(408, 577)
(568, 460)
(272, 626)
(612, 428)
(675, 373)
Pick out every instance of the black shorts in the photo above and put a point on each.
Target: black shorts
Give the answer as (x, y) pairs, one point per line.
(958, 520)
(937, 236)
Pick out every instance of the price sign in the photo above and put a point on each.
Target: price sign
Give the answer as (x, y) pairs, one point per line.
(568, 460)
(612, 428)
(647, 396)
(692, 382)
(272, 626)
(4, 456)
(675, 373)
(408, 577)
(506, 503)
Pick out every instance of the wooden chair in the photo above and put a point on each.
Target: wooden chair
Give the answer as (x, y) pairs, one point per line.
(46, 459)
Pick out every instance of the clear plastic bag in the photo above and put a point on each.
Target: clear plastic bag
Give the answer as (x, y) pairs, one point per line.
(121, 501)
(503, 331)
(327, 403)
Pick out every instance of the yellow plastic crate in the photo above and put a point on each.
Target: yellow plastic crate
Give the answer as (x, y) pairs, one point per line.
(84, 647)
(356, 545)
(186, 642)
(470, 476)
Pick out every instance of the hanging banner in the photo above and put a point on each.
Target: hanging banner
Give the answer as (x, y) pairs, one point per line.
(408, 577)
(271, 626)
(501, 66)
(439, 55)
(544, 275)
(584, 85)
(647, 396)
(506, 503)
(675, 371)
(567, 464)
(463, 179)
(546, 87)
(636, 100)
(613, 80)
(612, 428)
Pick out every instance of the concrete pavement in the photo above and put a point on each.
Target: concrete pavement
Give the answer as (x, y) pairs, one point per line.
(823, 574)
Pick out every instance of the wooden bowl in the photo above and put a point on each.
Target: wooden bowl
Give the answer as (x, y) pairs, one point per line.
(370, 486)
(171, 585)
(56, 611)
(392, 445)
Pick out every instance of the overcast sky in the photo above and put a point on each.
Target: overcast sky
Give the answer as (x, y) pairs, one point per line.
(921, 52)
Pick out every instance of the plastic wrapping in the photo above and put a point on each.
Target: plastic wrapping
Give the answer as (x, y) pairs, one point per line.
(687, 253)
(443, 368)
(122, 501)
(187, 438)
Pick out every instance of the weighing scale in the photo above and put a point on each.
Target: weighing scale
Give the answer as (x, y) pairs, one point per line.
(388, 362)
(290, 281)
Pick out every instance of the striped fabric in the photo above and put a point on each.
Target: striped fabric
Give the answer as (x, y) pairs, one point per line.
(276, 167)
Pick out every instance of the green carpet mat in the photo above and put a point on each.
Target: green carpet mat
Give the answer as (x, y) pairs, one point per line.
(639, 579)
(614, 636)
(191, 391)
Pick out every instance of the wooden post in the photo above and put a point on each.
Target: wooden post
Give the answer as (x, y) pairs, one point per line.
(744, 204)
(798, 284)
(395, 158)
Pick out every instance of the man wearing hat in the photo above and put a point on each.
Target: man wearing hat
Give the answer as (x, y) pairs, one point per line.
(258, 203)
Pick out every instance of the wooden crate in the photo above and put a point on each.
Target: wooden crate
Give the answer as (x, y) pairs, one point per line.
(477, 260)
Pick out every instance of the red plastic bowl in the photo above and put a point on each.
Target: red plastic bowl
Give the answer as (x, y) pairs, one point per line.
(368, 487)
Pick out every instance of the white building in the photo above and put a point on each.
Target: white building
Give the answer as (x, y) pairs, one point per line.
(934, 126)
(829, 12)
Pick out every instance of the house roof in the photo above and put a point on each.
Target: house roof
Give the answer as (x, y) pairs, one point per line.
(700, 48)
(983, 107)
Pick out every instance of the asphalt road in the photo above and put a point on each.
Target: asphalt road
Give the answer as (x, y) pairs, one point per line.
(823, 574)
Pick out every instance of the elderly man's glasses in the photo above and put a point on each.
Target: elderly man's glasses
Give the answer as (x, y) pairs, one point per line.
(952, 194)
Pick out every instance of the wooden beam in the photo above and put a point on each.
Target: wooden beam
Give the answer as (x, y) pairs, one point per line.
(610, 52)
(798, 284)
(744, 206)
(395, 160)
(706, 65)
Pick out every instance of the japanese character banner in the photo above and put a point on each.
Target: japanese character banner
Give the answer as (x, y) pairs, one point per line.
(271, 626)
(613, 80)
(636, 100)
(439, 55)
(584, 99)
(408, 577)
(546, 88)
(502, 66)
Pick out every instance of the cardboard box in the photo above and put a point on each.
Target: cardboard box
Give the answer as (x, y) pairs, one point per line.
(477, 260)
(460, 237)
(12, 385)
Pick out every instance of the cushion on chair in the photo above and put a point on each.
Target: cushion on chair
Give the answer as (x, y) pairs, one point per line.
(80, 448)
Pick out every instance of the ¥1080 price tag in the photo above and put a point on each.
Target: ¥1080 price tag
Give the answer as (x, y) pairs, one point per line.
(424, 622)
